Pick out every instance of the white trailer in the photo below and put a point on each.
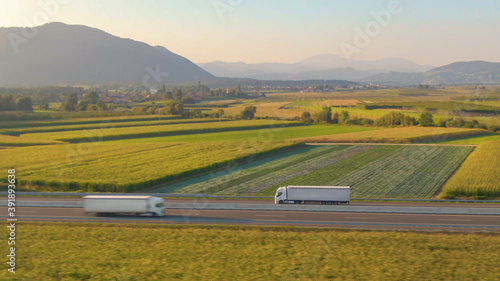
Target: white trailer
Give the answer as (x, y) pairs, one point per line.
(326, 195)
(123, 204)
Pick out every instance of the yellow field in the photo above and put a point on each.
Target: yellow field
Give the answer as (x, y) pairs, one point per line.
(336, 102)
(270, 109)
(397, 135)
(153, 131)
(479, 175)
(123, 167)
(24, 141)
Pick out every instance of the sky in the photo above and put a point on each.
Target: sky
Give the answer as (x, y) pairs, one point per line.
(435, 32)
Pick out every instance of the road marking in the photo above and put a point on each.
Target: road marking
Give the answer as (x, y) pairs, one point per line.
(363, 218)
(278, 216)
(452, 220)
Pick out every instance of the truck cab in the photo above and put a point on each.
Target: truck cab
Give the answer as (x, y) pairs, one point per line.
(280, 196)
(156, 206)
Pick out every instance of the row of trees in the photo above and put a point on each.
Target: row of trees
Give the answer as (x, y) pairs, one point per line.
(325, 116)
(9, 103)
(90, 102)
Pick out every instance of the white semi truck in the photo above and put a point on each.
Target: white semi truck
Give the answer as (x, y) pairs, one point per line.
(325, 195)
(123, 204)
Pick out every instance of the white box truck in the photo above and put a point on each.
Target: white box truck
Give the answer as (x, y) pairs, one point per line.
(123, 204)
(326, 195)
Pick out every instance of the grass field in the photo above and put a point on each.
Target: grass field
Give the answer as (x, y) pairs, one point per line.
(478, 176)
(474, 140)
(155, 131)
(371, 171)
(399, 135)
(278, 133)
(24, 141)
(266, 109)
(89, 120)
(104, 124)
(123, 167)
(78, 251)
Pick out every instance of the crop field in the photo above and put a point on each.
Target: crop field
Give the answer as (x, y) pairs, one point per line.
(274, 109)
(398, 135)
(371, 171)
(256, 176)
(104, 124)
(154, 131)
(474, 140)
(24, 141)
(124, 167)
(479, 175)
(279, 133)
(87, 120)
(389, 172)
(50, 251)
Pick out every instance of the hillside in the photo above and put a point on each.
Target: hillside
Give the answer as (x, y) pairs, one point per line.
(61, 53)
(327, 66)
(472, 72)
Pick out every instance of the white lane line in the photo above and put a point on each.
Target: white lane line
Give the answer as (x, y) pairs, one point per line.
(452, 220)
(362, 218)
(277, 216)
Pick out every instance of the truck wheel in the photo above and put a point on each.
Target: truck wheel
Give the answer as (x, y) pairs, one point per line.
(281, 202)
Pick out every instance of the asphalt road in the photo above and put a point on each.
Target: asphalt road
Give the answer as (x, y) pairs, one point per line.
(270, 201)
(275, 218)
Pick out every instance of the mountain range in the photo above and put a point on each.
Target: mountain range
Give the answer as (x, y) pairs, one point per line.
(57, 53)
(472, 72)
(61, 53)
(326, 66)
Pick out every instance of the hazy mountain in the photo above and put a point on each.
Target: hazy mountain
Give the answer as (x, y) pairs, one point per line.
(60, 53)
(473, 72)
(329, 61)
(325, 66)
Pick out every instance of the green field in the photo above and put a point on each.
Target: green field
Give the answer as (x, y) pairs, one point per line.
(155, 131)
(124, 117)
(104, 124)
(474, 140)
(371, 171)
(24, 141)
(123, 167)
(79, 251)
(478, 176)
(390, 172)
(399, 135)
(279, 133)
(258, 175)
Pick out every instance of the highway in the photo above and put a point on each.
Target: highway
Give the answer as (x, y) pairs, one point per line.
(488, 223)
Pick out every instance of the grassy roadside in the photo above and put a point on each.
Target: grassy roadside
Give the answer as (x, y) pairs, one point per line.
(80, 251)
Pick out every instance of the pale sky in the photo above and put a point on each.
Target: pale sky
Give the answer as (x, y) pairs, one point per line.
(434, 32)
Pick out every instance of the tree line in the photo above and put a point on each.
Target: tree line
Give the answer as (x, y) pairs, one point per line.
(392, 119)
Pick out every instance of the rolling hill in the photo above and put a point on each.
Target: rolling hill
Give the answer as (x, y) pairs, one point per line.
(61, 53)
(472, 72)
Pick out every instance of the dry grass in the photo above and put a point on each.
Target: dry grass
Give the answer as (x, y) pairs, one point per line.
(273, 110)
(336, 102)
